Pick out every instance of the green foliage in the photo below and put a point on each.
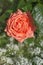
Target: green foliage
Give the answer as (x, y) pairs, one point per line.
(3, 40)
(38, 16)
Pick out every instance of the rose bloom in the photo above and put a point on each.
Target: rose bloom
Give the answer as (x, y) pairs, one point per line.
(20, 26)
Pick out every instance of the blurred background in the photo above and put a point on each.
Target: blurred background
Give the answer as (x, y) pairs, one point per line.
(30, 52)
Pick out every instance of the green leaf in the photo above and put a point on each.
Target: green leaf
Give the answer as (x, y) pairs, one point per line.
(27, 7)
(20, 4)
(30, 1)
(15, 5)
(3, 40)
(0, 10)
(5, 15)
(38, 16)
(29, 41)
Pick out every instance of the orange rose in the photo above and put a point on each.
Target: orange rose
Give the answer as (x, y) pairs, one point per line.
(20, 26)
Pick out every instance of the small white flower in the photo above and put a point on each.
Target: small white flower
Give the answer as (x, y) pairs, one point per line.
(16, 47)
(3, 58)
(42, 53)
(37, 51)
(2, 50)
(38, 60)
(41, 43)
(24, 61)
(9, 60)
(31, 44)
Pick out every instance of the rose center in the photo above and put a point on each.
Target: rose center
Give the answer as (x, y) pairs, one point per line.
(19, 25)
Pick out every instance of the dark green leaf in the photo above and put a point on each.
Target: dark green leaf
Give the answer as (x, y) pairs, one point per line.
(38, 16)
